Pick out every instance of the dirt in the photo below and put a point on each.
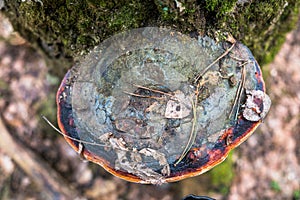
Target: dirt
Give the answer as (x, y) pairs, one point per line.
(267, 165)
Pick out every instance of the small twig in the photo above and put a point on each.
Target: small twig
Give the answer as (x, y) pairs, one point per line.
(230, 39)
(193, 134)
(153, 90)
(235, 100)
(69, 137)
(238, 59)
(238, 93)
(143, 96)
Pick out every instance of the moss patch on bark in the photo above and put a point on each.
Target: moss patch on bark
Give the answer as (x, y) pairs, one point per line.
(64, 29)
(261, 25)
(67, 28)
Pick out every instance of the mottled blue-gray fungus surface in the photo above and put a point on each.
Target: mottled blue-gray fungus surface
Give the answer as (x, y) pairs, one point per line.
(136, 94)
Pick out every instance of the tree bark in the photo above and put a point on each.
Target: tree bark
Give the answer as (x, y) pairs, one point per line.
(64, 29)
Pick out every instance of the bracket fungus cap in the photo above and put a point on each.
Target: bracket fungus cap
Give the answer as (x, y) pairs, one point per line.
(152, 105)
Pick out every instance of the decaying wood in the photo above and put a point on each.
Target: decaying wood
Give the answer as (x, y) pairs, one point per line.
(44, 177)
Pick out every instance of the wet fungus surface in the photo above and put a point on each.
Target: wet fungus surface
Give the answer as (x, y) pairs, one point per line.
(152, 105)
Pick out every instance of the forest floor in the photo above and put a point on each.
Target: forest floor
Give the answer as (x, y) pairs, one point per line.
(266, 166)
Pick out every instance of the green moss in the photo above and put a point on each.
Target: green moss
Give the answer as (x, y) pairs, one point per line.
(102, 4)
(63, 29)
(220, 7)
(129, 16)
(296, 195)
(275, 186)
(167, 14)
(261, 25)
(222, 175)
